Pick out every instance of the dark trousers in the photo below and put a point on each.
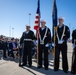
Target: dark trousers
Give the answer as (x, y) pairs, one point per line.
(4, 53)
(9, 52)
(12, 54)
(73, 68)
(27, 53)
(20, 55)
(43, 49)
(63, 49)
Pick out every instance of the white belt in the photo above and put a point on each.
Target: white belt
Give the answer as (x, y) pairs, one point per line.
(27, 39)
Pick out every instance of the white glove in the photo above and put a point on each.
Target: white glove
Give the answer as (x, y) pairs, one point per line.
(47, 45)
(73, 46)
(36, 41)
(53, 44)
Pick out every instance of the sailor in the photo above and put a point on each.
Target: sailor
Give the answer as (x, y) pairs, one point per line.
(62, 35)
(27, 38)
(43, 44)
(73, 68)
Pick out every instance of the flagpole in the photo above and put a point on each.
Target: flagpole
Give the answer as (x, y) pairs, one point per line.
(38, 42)
(54, 16)
(38, 32)
(55, 30)
(37, 26)
(37, 46)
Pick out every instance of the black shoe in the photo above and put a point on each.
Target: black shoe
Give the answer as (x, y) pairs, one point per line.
(46, 68)
(23, 65)
(55, 69)
(72, 72)
(30, 66)
(65, 71)
(5, 57)
(20, 65)
(39, 67)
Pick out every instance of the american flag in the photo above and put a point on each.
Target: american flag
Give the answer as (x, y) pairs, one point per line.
(37, 18)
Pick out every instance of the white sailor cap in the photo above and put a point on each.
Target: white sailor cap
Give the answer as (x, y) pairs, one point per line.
(43, 21)
(61, 18)
(27, 25)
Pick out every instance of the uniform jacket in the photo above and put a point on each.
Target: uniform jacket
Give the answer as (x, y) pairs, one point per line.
(74, 36)
(66, 35)
(30, 35)
(1, 44)
(48, 35)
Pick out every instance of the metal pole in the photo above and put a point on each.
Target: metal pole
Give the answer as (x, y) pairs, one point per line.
(12, 31)
(9, 31)
(29, 17)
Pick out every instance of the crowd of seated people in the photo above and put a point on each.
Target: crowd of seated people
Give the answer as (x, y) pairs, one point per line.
(11, 48)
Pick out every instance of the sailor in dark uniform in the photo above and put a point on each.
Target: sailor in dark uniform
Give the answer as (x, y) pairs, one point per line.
(73, 68)
(6, 47)
(62, 35)
(2, 46)
(27, 38)
(43, 44)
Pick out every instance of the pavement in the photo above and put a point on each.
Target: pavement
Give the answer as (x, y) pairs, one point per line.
(10, 67)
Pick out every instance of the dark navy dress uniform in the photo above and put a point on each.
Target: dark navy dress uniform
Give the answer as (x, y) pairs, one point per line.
(73, 68)
(27, 38)
(6, 47)
(2, 47)
(44, 40)
(62, 35)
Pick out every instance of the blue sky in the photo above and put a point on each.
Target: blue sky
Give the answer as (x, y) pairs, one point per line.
(14, 14)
